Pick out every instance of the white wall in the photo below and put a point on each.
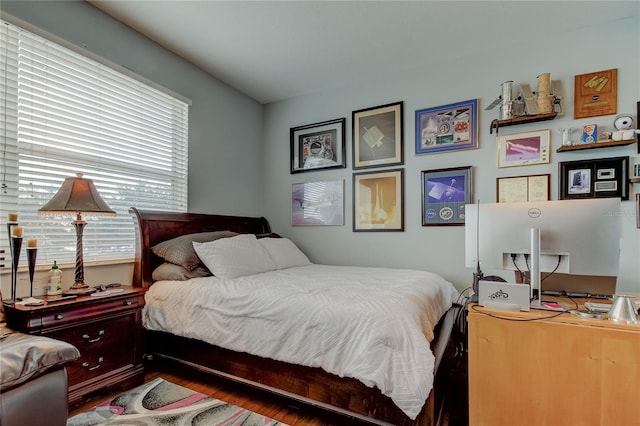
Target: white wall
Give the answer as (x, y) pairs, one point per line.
(440, 249)
(225, 126)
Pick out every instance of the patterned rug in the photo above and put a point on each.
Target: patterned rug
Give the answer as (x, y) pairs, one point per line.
(163, 403)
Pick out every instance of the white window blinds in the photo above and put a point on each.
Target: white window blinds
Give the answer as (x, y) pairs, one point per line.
(64, 113)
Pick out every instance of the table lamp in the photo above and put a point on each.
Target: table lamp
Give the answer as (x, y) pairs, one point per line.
(77, 195)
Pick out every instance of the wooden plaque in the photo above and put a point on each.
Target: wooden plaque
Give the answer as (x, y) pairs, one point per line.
(596, 94)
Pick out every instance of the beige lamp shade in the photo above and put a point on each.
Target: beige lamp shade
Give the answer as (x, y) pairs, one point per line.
(79, 195)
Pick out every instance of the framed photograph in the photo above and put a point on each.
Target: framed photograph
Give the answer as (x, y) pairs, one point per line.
(378, 199)
(318, 146)
(638, 210)
(524, 149)
(317, 203)
(448, 127)
(444, 195)
(523, 188)
(378, 136)
(596, 93)
(604, 177)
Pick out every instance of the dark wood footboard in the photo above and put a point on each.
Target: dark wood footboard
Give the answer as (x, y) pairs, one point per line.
(309, 385)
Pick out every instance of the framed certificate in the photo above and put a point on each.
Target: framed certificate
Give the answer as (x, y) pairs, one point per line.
(523, 188)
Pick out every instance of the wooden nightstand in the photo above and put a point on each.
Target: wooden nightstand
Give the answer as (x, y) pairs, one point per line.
(106, 329)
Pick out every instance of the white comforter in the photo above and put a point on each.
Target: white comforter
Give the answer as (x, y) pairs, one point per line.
(372, 324)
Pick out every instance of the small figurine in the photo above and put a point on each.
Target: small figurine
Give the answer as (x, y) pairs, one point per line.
(623, 125)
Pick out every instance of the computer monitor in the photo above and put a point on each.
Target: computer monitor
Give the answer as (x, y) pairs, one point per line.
(578, 237)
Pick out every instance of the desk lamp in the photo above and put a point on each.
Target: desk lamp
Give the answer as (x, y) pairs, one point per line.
(77, 195)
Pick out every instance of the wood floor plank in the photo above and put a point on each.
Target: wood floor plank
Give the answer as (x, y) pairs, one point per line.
(256, 400)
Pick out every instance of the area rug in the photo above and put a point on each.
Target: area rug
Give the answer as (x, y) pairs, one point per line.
(163, 403)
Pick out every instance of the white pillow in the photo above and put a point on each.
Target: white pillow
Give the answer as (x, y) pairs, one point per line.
(235, 256)
(284, 252)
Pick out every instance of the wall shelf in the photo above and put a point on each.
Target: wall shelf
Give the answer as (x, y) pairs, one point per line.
(602, 144)
(523, 119)
(634, 180)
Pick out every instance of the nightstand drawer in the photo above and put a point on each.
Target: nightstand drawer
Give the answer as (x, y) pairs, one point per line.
(64, 315)
(104, 346)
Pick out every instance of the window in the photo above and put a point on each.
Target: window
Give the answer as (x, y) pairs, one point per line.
(64, 113)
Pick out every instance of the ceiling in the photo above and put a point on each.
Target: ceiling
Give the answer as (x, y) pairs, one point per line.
(274, 50)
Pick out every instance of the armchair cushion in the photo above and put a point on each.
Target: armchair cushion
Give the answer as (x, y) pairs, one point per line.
(26, 356)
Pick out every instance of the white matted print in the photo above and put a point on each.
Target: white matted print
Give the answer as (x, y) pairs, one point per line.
(524, 149)
(317, 203)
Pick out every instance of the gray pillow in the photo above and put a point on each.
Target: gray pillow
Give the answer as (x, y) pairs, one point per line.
(169, 271)
(179, 250)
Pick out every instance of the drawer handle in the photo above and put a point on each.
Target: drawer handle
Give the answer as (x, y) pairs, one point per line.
(95, 339)
(95, 367)
(59, 316)
(127, 303)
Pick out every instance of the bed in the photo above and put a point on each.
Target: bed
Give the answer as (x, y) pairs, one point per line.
(309, 384)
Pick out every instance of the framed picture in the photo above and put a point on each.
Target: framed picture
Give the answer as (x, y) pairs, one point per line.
(378, 199)
(378, 136)
(596, 93)
(448, 127)
(604, 177)
(638, 125)
(523, 188)
(524, 149)
(317, 203)
(318, 146)
(444, 195)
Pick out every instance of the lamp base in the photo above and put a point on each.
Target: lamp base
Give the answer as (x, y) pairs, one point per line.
(79, 289)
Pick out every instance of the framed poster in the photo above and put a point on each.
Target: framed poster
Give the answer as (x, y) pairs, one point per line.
(447, 128)
(378, 199)
(523, 188)
(378, 136)
(604, 177)
(444, 195)
(596, 93)
(318, 146)
(317, 203)
(524, 149)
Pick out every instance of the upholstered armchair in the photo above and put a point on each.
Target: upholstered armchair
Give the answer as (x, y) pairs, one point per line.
(33, 380)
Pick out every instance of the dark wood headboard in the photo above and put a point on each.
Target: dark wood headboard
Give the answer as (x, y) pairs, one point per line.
(153, 227)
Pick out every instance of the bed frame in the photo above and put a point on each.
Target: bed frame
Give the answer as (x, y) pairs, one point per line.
(305, 384)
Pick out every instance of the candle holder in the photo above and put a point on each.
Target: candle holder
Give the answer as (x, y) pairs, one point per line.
(10, 225)
(16, 245)
(32, 252)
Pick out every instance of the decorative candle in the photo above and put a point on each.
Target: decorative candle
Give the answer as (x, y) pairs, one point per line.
(32, 243)
(17, 231)
(12, 217)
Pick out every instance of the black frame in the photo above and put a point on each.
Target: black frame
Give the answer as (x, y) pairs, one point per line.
(448, 210)
(377, 225)
(607, 178)
(331, 132)
(388, 120)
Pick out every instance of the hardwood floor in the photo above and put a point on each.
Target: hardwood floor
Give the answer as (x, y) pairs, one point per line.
(278, 408)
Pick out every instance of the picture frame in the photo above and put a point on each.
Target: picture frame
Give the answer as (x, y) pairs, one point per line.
(515, 189)
(447, 128)
(595, 94)
(318, 146)
(378, 201)
(524, 149)
(444, 195)
(378, 136)
(599, 178)
(317, 203)
(638, 126)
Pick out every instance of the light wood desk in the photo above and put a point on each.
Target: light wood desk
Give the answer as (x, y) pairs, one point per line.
(564, 370)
